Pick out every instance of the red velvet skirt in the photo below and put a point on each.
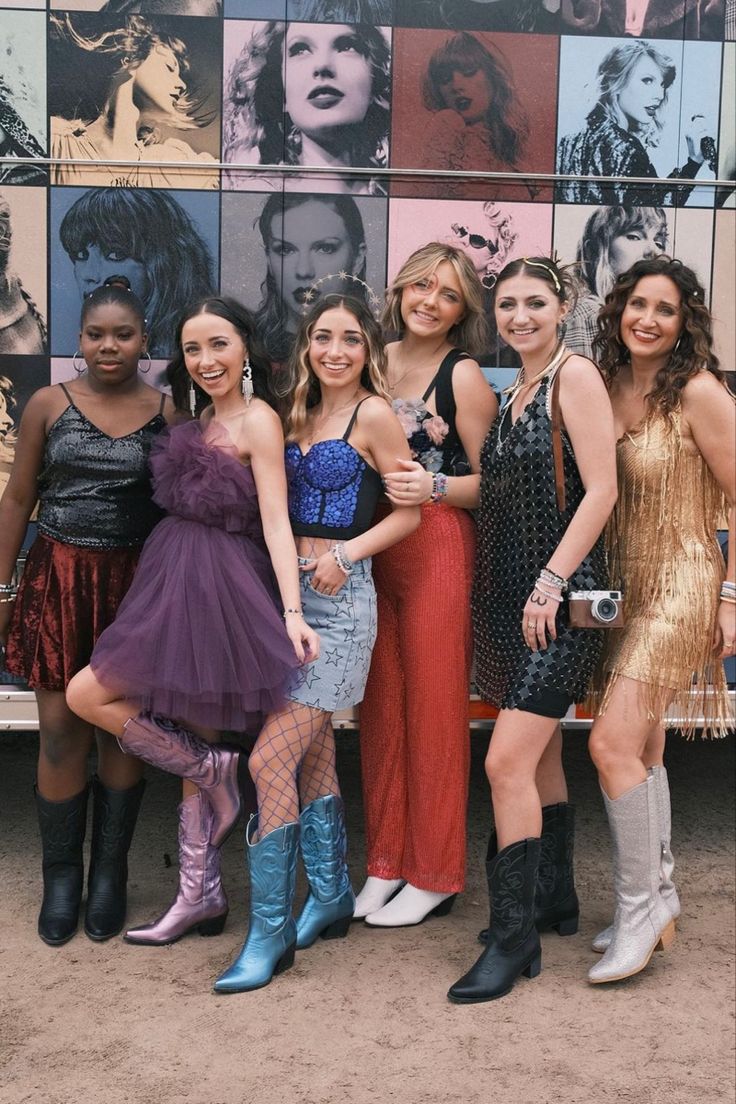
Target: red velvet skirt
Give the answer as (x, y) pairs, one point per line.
(67, 596)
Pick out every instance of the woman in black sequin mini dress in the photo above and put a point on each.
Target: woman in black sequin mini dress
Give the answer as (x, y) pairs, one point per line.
(530, 663)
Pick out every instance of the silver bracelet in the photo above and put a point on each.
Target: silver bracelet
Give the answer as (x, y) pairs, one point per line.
(342, 560)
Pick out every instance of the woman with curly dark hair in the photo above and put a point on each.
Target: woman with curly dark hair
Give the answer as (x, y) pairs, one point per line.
(676, 429)
(310, 94)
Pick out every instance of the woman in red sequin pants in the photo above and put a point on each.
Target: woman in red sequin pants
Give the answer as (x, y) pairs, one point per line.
(414, 716)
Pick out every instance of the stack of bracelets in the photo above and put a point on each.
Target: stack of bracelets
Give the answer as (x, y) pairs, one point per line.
(728, 592)
(341, 558)
(550, 585)
(439, 486)
(8, 592)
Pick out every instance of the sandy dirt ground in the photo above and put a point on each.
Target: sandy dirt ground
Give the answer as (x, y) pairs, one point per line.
(365, 1020)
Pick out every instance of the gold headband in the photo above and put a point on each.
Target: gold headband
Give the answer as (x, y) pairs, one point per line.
(540, 264)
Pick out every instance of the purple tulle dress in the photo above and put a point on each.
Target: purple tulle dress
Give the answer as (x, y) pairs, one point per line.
(198, 636)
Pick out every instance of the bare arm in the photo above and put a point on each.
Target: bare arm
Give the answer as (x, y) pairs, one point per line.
(21, 491)
(262, 440)
(709, 413)
(477, 408)
(588, 417)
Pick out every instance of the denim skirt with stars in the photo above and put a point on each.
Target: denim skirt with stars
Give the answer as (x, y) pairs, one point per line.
(346, 623)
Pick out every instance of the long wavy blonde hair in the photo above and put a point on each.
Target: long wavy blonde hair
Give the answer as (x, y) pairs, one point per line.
(471, 333)
(301, 390)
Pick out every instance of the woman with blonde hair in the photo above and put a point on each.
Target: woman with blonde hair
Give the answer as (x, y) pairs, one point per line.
(133, 87)
(414, 720)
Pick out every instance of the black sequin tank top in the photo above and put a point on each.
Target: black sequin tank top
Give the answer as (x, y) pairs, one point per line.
(95, 490)
(519, 527)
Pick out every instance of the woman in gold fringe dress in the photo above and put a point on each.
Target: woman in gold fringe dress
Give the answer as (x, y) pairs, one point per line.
(676, 429)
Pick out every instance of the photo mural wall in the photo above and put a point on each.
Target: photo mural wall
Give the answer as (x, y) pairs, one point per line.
(185, 132)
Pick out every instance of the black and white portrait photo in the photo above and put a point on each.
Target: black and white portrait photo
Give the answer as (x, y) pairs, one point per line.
(651, 18)
(300, 246)
(309, 94)
(134, 89)
(22, 96)
(636, 108)
(535, 16)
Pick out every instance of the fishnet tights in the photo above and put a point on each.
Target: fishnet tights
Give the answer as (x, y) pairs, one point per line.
(294, 757)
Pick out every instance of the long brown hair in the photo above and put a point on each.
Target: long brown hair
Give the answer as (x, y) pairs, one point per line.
(302, 389)
(693, 351)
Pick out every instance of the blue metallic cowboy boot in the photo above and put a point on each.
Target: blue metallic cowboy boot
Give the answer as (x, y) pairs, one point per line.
(269, 948)
(329, 906)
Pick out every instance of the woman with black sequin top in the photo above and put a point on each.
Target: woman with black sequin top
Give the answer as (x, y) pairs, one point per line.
(530, 663)
(83, 453)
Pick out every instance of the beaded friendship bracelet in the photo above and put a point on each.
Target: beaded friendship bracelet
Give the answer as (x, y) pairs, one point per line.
(439, 486)
(298, 612)
(341, 558)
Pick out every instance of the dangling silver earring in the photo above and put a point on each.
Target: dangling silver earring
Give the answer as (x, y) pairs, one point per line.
(677, 344)
(247, 381)
(192, 399)
(77, 368)
(147, 369)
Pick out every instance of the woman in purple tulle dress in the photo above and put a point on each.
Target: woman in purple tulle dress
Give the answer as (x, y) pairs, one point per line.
(200, 639)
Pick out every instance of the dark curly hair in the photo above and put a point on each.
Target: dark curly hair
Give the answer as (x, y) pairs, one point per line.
(694, 348)
(238, 316)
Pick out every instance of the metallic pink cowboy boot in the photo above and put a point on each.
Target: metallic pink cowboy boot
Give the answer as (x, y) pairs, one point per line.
(213, 768)
(200, 901)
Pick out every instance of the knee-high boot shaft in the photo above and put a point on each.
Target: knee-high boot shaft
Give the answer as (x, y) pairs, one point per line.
(667, 888)
(212, 767)
(328, 909)
(62, 825)
(271, 942)
(200, 900)
(556, 905)
(642, 921)
(513, 946)
(114, 816)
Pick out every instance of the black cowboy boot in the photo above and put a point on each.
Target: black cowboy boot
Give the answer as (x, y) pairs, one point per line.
(556, 906)
(113, 822)
(62, 825)
(513, 946)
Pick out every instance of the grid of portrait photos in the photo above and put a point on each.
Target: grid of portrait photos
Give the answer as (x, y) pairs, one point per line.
(262, 147)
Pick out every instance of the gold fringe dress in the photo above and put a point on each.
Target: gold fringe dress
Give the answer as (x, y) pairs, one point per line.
(663, 547)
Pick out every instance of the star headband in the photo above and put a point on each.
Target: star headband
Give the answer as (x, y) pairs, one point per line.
(312, 293)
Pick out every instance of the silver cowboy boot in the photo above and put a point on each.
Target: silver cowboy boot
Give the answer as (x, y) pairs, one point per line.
(667, 862)
(642, 922)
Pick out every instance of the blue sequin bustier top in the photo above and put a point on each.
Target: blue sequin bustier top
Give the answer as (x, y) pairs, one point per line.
(333, 492)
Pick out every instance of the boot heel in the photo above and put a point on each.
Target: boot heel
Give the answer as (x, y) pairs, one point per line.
(667, 937)
(444, 907)
(286, 960)
(567, 927)
(534, 968)
(212, 927)
(338, 930)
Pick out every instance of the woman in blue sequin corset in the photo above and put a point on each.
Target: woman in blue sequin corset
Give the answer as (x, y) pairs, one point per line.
(341, 438)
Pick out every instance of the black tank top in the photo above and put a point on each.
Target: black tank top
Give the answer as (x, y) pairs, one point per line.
(445, 455)
(95, 490)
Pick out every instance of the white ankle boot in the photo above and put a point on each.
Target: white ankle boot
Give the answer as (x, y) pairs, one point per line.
(374, 895)
(411, 906)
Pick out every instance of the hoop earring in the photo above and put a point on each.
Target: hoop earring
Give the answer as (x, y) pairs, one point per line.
(147, 369)
(192, 399)
(75, 365)
(247, 381)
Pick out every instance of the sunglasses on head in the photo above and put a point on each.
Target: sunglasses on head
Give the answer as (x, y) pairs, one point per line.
(475, 241)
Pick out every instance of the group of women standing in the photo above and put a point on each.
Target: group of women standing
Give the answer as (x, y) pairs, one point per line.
(253, 601)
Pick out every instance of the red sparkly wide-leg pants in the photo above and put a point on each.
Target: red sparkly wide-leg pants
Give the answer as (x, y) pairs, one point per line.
(414, 729)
